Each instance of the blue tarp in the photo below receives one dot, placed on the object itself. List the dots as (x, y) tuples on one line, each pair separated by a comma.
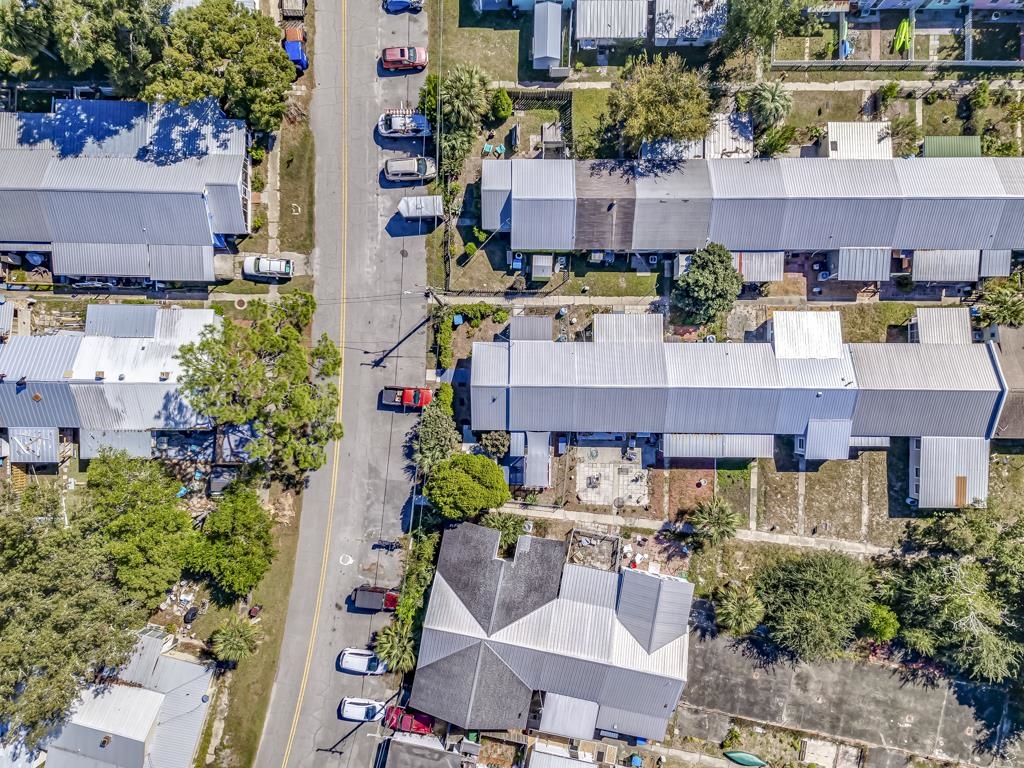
[(297, 53)]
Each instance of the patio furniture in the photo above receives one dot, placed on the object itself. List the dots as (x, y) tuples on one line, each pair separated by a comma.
[(500, 149), (488, 149)]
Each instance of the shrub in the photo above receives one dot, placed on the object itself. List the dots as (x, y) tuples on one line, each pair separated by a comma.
[(479, 234), (259, 221), (980, 97), (258, 153), (732, 738), (501, 105), (259, 183), (500, 316), (932, 96), (470, 249), (882, 624), (578, 67), (495, 444), (444, 398), (886, 94)]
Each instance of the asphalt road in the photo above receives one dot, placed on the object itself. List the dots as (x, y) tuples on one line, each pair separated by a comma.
[(370, 274)]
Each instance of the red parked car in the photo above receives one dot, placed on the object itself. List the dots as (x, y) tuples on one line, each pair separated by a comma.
[(413, 57), (398, 719)]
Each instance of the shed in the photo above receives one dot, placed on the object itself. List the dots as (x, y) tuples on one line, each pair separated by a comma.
[(538, 460), (542, 266), (945, 266), (547, 35), (858, 140), (530, 328), (33, 445), (568, 716), (421, 207), (600, 21), (941, 325), (952, 146), (759, 266), (949, 472), (496, 195), (861, 265), (827, 439)]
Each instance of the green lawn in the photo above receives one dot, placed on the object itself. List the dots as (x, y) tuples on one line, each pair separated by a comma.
[(615, 280), (870, 322), (940, 119), (297, 181), (815, 48), (997, 42), (299, 283), (819, 107), (589, 119), (241, 286), (497, 43)]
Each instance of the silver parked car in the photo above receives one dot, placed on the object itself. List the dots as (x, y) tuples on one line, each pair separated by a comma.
[(263, 268), (410, 169)]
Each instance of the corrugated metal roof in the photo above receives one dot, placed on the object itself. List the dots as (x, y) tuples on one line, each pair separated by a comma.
[(673, 209), (88, 259), (227, 210), (33, 445), (759, 266), (125, 713), (869, 442), (859, 140), (629, 327), (952, 146), (996, 263), (121, 320), (655, 609), (182, 263), (827, 439), (954, 472), (538, 460), (566, 716), (118, 406), (688, 21), (611, 19), (92, 442), (713, 446), (863, 264), (531, 328), (731, 135), (39, 358), (6, 317), (40, 404), (496, 195), (547, 34), (517, 445), (807, 335), (943, 325), (543, 204), (945, 266)]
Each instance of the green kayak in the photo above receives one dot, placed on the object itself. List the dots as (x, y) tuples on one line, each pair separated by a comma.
[(745, 758)]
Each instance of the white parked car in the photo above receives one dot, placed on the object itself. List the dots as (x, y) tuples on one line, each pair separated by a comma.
[(262, 268), (410, 169), (361, 662), (360, 710)]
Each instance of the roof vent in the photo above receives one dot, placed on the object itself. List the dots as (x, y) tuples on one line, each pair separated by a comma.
[(165, 375), (36, 396), (22, 381), (120, 377), (100, 375), (105, 742), (68, 373), (3, 376)]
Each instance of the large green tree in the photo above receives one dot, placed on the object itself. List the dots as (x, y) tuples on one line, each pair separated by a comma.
[(262, 373), (236, 547), (236, 639), (753, 25), (434, 438), (464, 97), (61, 617), (220, 49), (769, 103), (1003, 301), (710, 285), (146, 528), (466, 485), (660, 99), (814, 602), (24, 31), (396, 647)]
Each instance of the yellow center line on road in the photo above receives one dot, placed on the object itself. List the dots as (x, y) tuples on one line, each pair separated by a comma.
[(336, 455)]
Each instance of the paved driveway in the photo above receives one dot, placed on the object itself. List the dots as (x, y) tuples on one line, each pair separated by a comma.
[(867, 703), (369, 286)]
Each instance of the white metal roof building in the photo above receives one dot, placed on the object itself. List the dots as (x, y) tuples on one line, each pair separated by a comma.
[(688, 22), (787, 204), (124, 188), (858, 140), (607, 20), (547, 35), (941, 325), (949, 472), (543, 204), (861, 265), (759, 266)]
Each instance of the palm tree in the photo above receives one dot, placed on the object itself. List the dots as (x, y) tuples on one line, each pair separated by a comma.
[(714, 521), (1004, 302), (396, 648), (739, 610), (464, 97), (770, 103), (236, 639)]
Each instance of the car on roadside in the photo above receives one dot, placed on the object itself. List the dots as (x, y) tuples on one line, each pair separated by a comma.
[(400, 719), (403, 124), (408, 57), (265, 268), (360, 661), (360, 710), (408, 169), (398, 6)]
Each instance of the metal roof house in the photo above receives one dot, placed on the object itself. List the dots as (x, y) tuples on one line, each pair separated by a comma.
[(728, 400), (602, 22), (688, 22), (857, 140), (111, 386), (151, 713), (500, 635), (547, 35), (124, 189), (959, 205)]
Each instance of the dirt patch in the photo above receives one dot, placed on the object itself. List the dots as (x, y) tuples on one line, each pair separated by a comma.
[(832, 502), (777, 510), (497, 754), (884, 529), (690, 484), (464, 336), (733, 484)]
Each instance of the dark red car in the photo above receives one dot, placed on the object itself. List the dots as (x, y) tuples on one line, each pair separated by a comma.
[(399, 719), (412, 57)]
